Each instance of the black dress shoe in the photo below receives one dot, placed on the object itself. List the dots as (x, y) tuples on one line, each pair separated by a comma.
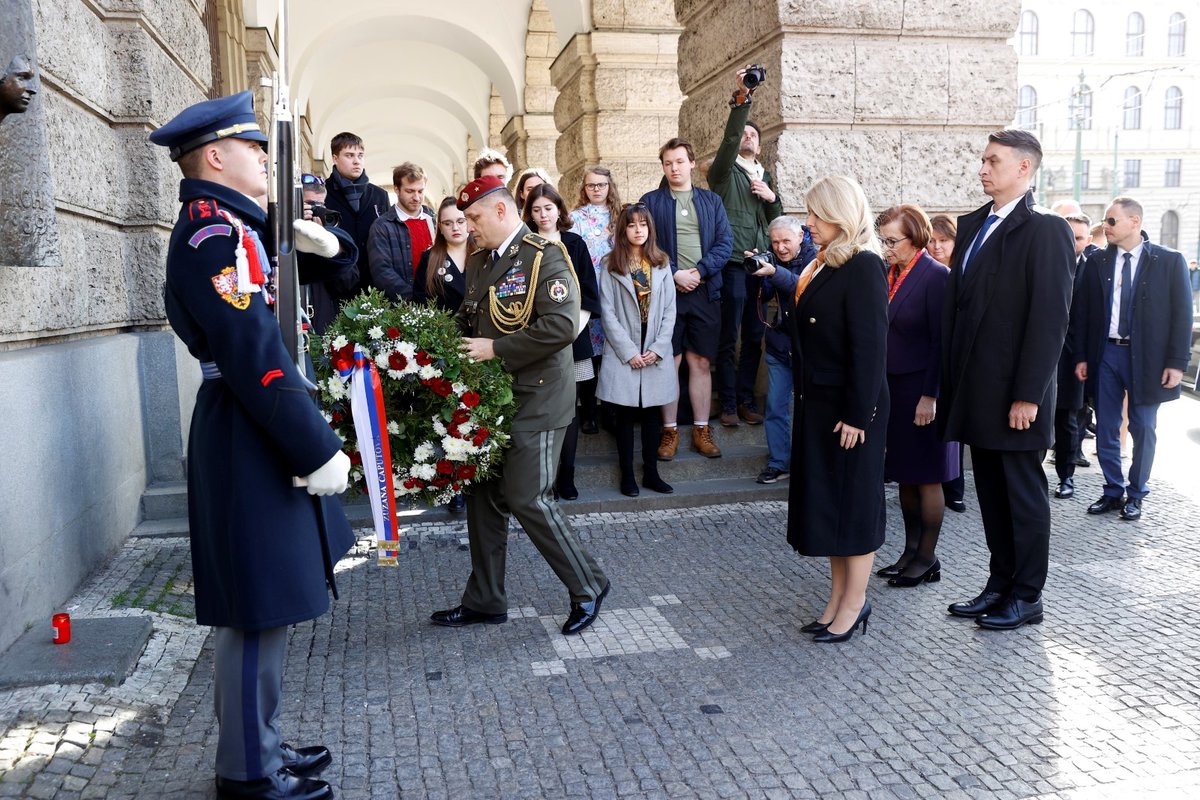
[(816, 626), (828, 637), (985, 602), (931, 575), (1081, 461), (1012, 614), (304, 761), (657, 484), (1065, 489), (629, 486), (892, 570), (1132, 509), (584, 614), (956, 505), (589, 427), (457, 504), (566, 489), (283, 785), (1105, 504), (460, 616)]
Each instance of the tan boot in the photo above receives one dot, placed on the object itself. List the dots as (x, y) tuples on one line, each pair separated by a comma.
[(702, 442), (668, 444)]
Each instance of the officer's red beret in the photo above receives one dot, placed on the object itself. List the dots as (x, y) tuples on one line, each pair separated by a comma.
[(477, 189)]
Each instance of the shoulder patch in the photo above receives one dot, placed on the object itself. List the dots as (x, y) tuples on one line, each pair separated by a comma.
[(558, 290), (536, 240), (225, 282), (204, 207), (209, 231)]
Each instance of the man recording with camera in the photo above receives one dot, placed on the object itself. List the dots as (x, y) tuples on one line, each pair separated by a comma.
[(778, 270), (751, 202), (329, 281)]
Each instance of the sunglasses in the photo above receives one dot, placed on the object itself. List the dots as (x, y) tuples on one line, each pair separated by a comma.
[(1110, 222), (312, 180), (639, 206)]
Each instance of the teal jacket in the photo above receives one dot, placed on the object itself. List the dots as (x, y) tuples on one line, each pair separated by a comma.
[(748, 216)]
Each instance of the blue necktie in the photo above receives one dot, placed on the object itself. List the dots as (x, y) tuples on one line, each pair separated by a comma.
[(495, 257), (989, 222), (1125, 314)]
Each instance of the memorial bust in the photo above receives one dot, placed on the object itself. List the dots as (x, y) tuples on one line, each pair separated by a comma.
[(17, 86)]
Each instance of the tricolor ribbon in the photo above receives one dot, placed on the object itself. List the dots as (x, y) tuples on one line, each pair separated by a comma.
[(370, 425)]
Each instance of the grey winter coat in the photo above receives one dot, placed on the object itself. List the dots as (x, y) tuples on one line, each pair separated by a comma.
[(621, 318)]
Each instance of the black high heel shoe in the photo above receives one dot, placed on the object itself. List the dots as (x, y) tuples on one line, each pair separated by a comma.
[(836, 638), (893, 570), (931, 575), (816, 626)]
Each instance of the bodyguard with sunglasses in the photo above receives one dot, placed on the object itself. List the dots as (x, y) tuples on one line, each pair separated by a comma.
[(328, 282)]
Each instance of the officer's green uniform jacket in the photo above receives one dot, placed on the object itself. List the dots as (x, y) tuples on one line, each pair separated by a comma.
[(748, 216), (539, 354)]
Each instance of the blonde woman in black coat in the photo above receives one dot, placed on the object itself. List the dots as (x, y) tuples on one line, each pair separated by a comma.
[(839, 339)]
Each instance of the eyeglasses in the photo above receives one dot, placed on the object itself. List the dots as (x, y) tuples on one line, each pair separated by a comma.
[(453, 223), (593, 187), (312, 180), (1110, 222), (891, 243)]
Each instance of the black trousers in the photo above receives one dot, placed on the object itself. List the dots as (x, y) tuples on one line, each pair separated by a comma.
[(1066, 442), (651, 422), (1015, 506)]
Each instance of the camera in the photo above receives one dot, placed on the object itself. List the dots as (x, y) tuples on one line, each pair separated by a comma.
[(327, 215), (754, 76), (757, 261)]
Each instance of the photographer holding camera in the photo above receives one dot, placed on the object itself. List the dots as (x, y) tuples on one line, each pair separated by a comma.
[(778, 269), (751, 202), (331, 280)]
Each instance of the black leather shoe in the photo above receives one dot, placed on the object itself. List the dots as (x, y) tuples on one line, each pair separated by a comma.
[(892, 570), (931, 575), (816, 626), (283, 785), (956, 505), (1132, 509), (1081, 461), (589, 427), (1105, 504), (304, 761), (657, 484), (460, 616), (1065, 489), (457, 504), (987, 601), (584, 614), (629, 486), (1014, 613), (566, 489)]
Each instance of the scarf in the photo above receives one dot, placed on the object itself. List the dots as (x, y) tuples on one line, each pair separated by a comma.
[(809, 273), (352, 189), (899, 273), (641, 285)]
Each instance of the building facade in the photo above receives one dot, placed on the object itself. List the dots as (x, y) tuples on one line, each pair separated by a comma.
[(1110, 88)]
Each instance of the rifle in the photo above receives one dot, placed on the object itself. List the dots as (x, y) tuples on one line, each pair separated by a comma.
[(284, 204)]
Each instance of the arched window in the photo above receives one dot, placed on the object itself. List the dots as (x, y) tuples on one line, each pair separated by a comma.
[(1135, 35), (1133, 109), (1027, 34), (1173, 117), (1026, 107), (1083, 33), (1176, 35), (1169, 235), (1081, 109)]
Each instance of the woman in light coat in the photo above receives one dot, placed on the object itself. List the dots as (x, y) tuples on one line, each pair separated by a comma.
[(637, 371)]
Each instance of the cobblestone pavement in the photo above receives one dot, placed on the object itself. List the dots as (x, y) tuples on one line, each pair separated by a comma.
[(695, 682)]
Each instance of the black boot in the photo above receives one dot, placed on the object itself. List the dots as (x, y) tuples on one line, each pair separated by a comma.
[(587, 407), (653, 481)]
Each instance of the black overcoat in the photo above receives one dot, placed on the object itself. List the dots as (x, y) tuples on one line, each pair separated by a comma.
[(1162, 319), (1003, 327), (1070, 388), (839, 341), (262, 550)]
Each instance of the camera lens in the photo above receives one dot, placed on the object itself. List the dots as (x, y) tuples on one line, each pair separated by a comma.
[(754, 76)]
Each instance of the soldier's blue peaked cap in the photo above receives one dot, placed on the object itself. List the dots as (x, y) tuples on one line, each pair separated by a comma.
[(222, 118)]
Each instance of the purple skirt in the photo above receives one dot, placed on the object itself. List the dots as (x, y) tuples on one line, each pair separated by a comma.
[(915, 454)]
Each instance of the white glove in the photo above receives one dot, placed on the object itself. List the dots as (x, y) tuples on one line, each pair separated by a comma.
[(313, 238), (332, 477)]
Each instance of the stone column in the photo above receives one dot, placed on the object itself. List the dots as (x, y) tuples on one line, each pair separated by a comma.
[(618, 94), (529, 138), (900, 95)]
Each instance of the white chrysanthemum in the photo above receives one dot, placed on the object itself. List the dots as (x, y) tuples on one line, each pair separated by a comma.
[(381, 360), (395, 374), (428, 371), (408, 349), (423, 452), (375, 332), (340, 342), (459, 388), (425, 472), (439, 428), (335, 389), (393, 427)]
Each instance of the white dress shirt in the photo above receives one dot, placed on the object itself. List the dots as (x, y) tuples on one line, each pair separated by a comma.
[(1114, 319)]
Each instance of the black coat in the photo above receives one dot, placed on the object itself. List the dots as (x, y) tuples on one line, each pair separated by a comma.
[(262, 550), (1003, 327), (1162, 319), (1070, 388), (589, 291), (372, 205), (453, 290), (839, 341)]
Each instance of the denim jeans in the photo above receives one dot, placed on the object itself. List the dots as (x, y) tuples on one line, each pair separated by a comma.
[(778, 414)]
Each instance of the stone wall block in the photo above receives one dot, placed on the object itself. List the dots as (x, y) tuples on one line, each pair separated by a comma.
[(848, 15), (896, 82), (940, 170), (997, 17), (983, 85), (180, 26), (632, 14), (75, 46), (730, 34), (95, 182), (871, 156)]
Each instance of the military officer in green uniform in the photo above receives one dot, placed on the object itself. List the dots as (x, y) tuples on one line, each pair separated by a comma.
[(522, 307)]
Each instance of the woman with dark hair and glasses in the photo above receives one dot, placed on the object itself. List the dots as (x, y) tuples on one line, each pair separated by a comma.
[(546, 214), (917, 458), (637, 372), (440, 276), (599, 205)]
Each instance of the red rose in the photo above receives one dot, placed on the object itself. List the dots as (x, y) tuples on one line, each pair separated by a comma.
[(423, 358), (453, 432), (393, 333), (465, 472), (444, 467), (356, 457), (470, 399), (460, 416), (409, 483), (441, 387), (397, 361), (338, 417), (440, 483)]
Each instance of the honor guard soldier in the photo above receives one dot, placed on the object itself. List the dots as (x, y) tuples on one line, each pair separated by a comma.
[(522, 307), (262, 549)]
